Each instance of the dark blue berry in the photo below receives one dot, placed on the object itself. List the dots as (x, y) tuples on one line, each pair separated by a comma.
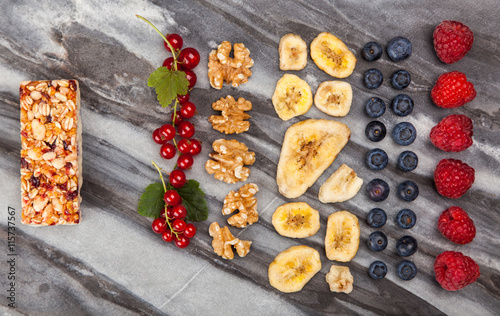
[(406, 246), (377, 241), (375, 107), (407, 270), (377, 159), (376, 217), (373, 78), (378, 190), (406, 218), (407, 161), (377, 270), (408, 190), (404, 133), (402, 105), (400, 79), (371, 51), (375, 131), (399, 48)]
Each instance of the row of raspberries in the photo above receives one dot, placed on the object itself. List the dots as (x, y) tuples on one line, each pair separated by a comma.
[(452, 177)]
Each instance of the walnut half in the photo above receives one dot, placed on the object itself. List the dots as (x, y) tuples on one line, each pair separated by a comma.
[(234, 70), (243, 201), (228, 160), (233, 115), (224, 240)]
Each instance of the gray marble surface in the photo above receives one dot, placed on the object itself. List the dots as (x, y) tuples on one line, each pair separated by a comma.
[(113, 264)]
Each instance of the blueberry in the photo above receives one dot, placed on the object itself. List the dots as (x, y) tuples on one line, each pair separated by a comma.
[(375, 107), (399, 48), (407, 270), (400, 79), (406, 246), (406, 218), (402, 105), (376, 217), (371, 51), (373, 78), (377, 241), (377, 159), (377, 270), (378, 190), (407, 161), (408, 190), (404, 133), (375, 131)]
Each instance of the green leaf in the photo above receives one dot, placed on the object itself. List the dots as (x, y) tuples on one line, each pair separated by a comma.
[(151, 203), (168, 84), (193, 199)]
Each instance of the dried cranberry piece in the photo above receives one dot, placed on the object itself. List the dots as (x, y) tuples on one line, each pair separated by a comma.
[(65, 145), (34, 182), (71, 195), (49, 118), (24, 163), (72, 85)]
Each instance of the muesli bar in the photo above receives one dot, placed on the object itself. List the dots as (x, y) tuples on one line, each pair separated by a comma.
[(51, 162)]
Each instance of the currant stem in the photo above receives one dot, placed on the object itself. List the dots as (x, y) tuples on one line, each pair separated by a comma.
[(164, 38), (161, 176)]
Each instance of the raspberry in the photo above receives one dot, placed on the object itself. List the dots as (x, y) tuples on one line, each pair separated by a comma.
[(452, 90), (455, 271), (453, 178), (452, 40), (453, 133), (456, 225)]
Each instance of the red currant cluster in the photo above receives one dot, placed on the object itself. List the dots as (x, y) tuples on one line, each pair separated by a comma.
[(182, 60)]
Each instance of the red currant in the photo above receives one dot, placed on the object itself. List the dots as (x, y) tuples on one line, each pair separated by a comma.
[(172, 198), (184, 145), (188, 110), (189, 57), (195, 147), (190, 231), (167, 131), (178, 118), (179, 211), (177, 178), (181, 241), (179, 225), (175, 40), (162, 213), (159, 225), (169, 63), (169, 212), (167, 236), (185, 161), (167, 151), (183, 98), (157, 137), (186, 129), (191, 77)]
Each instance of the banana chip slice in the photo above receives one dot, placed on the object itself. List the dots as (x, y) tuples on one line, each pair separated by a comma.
[(341, 186), (342, 236), (334, 98), (308, 149), (296, 220), (332, 56), (340, 279), (293, 268), (293, 52), (292, 97)]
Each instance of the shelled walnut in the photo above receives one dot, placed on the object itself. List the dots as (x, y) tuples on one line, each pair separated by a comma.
[(228, 160), (243, 201), (234, 71), (233, 115), (223, 240)]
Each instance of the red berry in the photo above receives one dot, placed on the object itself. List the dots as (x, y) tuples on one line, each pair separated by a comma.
[(189, 57), (169, 62), (183, 98), (185, 161), (191, 77), (159, 225), (188, 110), (179, 225), (167, 131), (456, 225), (455, 271), (172, 198), (195, 147), (179, 211), (178, 118), (452, 90), (181, 241), (175, 41), (169, 212), (453, 133), (177, 178), (190, 231), (184, 145), (167, 236), (157, 137), (162, 214), (167, 151), (453, 178), (452, 40), (186, 129)]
